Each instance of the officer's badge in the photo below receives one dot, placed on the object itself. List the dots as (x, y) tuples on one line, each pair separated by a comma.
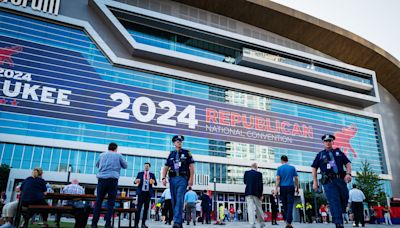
[(337, 153), (189, 153)]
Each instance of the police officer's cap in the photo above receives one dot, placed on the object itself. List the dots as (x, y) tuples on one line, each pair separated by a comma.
[(178, 137), (328, 137)]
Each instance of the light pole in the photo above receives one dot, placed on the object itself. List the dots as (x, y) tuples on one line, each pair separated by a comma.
[(215, 198), (69, 172)]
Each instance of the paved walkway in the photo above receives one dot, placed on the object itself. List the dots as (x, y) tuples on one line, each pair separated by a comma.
[(152, 224)]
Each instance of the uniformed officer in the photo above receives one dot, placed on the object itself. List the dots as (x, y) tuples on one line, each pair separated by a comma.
[(180, 168), (333, 177)]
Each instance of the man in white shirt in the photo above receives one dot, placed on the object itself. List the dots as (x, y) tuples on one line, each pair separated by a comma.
[(356, 198)]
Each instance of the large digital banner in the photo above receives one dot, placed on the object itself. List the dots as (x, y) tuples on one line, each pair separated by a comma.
[(53, 82)]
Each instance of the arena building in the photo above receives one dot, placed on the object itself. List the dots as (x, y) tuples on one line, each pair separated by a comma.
[(244, 81)]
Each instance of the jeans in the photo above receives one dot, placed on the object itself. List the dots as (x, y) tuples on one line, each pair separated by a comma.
[(143, 200), (254, 205), (105, 186), (287, 198), (337, 194), (178, 187)]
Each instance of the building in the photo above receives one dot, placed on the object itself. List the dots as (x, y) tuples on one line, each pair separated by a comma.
[(242, 87)]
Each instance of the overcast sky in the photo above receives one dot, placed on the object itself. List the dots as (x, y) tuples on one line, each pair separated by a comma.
[(378, 21)]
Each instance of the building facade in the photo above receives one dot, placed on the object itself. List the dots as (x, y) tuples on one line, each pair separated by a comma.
[(77, 75)]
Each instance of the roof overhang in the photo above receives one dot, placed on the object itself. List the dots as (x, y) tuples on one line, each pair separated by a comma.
[(312, 32)]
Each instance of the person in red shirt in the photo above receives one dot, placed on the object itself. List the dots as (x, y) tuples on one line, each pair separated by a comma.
[(232, 213), (322, 210)]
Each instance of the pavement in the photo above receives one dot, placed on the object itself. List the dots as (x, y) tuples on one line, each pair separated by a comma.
[(153, 224)]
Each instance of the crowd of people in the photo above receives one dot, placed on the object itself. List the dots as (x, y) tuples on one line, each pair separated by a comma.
[(179, 203)]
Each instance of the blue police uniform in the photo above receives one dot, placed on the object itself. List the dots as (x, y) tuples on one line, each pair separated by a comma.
[(331, 163), (179, 173)]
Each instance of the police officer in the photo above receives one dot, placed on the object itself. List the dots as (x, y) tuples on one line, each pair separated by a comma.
[(180, 168), (333, 177)]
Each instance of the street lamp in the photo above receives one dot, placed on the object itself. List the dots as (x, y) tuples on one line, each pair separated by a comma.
[(215, 198), (69, 172)]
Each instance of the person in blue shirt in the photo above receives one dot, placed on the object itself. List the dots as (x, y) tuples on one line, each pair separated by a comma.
[(286, 187), (331, 162), (109, 164), (180, 168), (145, 181), (190, 205)]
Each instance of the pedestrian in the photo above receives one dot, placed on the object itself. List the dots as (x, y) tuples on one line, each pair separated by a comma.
[(33, 189), (273, 199), (322, 211), (309, 212), (80, 209), (299, 207), (346, 215), (167, 206), (144, 192), (287, 187), (372, 215), (254, 194), (232, 213), (226, 214), (333, 177), (239, 214), (180, 169), (205, 207), (109, 164), (386, 215), (221, 211), (356, 198), (198, 209), (190, 205)]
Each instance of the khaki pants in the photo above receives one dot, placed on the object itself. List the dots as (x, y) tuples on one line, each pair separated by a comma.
[(254, 207)]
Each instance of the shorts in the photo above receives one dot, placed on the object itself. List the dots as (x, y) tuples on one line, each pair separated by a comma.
[(323, 214)]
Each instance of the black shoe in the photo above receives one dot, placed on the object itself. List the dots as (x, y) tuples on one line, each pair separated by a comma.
[(194, 223), (177, 226), (144, 226), (187, 223)]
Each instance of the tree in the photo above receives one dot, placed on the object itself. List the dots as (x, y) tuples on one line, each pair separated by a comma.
[(4, 173), (369, 183)]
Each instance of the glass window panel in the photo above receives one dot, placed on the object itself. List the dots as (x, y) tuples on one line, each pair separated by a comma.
[(17, 157), (47, 155), (37, 156)]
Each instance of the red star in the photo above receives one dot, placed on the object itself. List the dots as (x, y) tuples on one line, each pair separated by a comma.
[(2, 101), (14, 102)]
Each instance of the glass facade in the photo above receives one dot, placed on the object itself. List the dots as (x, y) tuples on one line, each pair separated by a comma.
[(192, 46), (366, 142)]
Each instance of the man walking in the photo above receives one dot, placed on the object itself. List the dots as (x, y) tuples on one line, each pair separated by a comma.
[(273, 198), (205, 207), (109, 164), (333, 177), (284, 182), (254, 194), (145, 181), (190, 205), (180, 168), (356, 198)]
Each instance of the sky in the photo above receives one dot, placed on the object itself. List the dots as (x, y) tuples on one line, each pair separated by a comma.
[(377, 21)]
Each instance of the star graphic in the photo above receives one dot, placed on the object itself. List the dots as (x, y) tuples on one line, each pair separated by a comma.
[(2, 101), (14, 102)]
